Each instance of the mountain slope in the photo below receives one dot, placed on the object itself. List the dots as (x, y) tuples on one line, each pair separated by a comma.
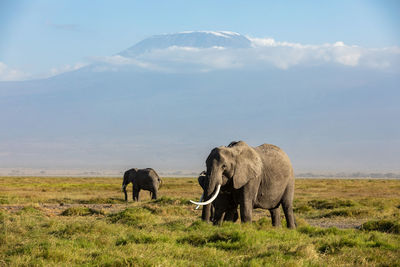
[(326, 117), (200, 39)]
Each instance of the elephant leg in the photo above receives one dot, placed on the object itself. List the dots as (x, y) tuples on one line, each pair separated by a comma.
[(287, 205), (235, 216), (218, 218), (219, 214), (246, 210), (207, 213), (126, 195), (135, 194), (246, 205), (154, 194), (231, 214), (275, 217)]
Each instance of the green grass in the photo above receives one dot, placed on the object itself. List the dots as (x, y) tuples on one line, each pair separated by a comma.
[(88, 230), (81, 211)]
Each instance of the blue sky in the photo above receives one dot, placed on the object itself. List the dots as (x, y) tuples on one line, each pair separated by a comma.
[(37, 36)]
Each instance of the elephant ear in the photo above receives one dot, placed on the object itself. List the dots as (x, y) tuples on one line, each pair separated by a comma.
[(248, 166)]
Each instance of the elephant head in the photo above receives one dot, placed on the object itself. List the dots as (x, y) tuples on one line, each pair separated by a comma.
[(237, 163), (128, 178)]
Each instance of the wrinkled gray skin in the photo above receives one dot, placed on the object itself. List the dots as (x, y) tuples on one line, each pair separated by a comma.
[(258, 177), (146, 179), (223, 208)]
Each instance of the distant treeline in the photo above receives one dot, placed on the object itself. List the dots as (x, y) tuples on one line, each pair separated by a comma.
[(350, 175)]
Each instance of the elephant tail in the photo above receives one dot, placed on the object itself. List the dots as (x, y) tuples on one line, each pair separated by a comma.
[(160, 183)]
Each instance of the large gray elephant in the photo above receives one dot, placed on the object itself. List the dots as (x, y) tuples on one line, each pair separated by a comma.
[(146, 179), (257, 177), (223, 208)]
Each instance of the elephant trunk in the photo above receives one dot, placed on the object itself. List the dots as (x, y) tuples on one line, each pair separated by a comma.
[(214, 184), (214, 180)]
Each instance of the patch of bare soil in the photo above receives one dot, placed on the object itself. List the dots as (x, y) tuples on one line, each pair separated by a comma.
[(341, 223)]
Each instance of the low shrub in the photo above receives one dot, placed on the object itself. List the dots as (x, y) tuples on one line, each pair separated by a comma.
[(81, 211), (4, 200), (136, 216), (302, 208), (139, 238), (177, 225), (334, 246), (30, 210), (101, 201), (345, 213), (73, 228), (194, 239), (385, 226), (330, 204), (226, 239), (314, 231), (164, 200)]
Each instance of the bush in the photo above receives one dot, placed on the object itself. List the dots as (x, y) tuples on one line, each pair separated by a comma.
[(171, 201), (345, 213), (303, 208), (81, 211), (4, 200), (71, 229), (330, 204), (385, 226), (101, 201), (136, 216), (30, 210), (137, 239), (226, 240), (196, 240), (314, 231)]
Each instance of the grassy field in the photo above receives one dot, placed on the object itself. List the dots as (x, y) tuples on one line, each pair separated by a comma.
[(85, 222)]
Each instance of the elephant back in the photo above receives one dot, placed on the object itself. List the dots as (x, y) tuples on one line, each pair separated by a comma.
[(153, 175)]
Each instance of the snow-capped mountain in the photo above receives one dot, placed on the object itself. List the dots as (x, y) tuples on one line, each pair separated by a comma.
[(197, 39), (131, 110)]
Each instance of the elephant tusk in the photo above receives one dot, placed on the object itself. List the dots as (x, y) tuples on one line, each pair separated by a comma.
[(201, 199), (210, 200)]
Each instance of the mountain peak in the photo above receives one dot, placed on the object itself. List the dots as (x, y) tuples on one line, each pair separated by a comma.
[(197, 39)]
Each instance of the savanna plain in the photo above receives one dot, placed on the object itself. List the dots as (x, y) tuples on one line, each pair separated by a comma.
[(48, 221)]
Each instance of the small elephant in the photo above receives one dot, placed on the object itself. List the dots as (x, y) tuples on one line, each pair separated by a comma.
[(223, 208), (146, 179), (258, 177)]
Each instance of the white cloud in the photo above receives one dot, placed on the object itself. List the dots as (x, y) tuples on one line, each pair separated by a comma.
[(296, 53), (65, 68), (263, 52), (9, 74), (118, 60)]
